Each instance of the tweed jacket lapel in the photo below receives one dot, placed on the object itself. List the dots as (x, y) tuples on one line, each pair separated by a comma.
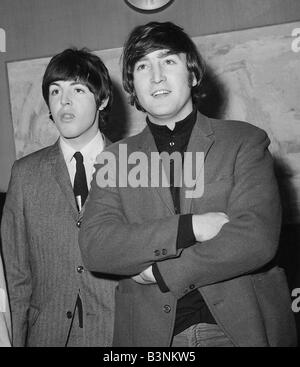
[(147, 145), (201, 140), (60, 172)]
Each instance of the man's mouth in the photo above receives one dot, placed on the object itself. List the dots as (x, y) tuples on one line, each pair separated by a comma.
[(161, 92), (67, 116)]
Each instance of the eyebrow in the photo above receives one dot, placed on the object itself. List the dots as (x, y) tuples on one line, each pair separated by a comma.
[(161, 55), (73, 83), (166, 53)]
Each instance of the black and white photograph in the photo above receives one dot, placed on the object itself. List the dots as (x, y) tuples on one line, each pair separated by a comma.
[(150, 176)]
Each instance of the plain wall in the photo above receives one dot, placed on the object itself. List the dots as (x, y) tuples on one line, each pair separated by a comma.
[(38, 28)]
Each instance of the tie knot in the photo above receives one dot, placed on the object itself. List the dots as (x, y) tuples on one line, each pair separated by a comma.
[(79, 157)]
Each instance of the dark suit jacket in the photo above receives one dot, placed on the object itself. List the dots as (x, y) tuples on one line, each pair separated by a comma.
[(135, 227), (40, 227)]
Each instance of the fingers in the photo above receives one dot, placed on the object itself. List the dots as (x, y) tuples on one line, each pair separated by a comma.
[(207, 226)]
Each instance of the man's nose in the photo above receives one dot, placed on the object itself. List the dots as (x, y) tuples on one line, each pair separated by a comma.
[(158, 74), (66, 98)]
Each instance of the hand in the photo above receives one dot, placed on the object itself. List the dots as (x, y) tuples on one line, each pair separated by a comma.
[(145, 277), (207, 226)]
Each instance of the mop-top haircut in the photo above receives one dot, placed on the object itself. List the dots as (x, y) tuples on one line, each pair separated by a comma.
[(83, 67), (155, 36)]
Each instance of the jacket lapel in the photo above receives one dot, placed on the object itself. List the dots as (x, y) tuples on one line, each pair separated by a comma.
[(60, 173), (201, 140), (147, 145)]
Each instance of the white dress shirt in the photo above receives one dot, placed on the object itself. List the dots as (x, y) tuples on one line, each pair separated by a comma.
[(5, 323), (89, 153)]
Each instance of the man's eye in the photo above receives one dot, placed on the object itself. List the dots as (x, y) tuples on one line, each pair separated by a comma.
[(169, 61), (54, 92), (79, 90), (141, 67)]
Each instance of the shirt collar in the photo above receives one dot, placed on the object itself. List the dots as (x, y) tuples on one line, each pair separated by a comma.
[(181, 127), (89, 151)]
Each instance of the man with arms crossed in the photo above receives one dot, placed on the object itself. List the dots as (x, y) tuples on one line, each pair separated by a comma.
[(196, 271)]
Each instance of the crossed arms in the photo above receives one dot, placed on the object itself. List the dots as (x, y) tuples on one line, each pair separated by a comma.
[(111, 243)]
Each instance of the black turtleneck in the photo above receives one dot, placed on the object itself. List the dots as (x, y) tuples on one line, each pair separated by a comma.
[(191, 309)]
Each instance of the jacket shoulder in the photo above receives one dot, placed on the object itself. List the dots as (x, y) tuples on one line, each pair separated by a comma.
[(130, 141), (33, 161), (234, 129)]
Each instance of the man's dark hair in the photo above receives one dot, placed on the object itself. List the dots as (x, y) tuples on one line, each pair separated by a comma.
[(155, 36), (85, 68)]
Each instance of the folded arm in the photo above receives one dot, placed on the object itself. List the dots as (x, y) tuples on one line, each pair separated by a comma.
[(110, 244), (249, 240), (203, 227)]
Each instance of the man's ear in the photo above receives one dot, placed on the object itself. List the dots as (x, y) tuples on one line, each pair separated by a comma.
[(103, 104), (194, 80)]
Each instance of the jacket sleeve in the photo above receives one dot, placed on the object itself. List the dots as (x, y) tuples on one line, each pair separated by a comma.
[(249, 240), (109, 244), (16, 256)]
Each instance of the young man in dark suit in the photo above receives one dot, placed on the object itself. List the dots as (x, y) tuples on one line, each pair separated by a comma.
[(55, 300), (196, 260)]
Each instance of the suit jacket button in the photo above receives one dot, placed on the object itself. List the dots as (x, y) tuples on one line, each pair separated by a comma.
[(156, 252), (167, 308), (80, 269), (164, 251), (69, 314), (192, 286), (78, 223)]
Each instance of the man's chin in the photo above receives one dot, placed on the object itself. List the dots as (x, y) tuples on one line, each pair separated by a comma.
[(70, 136)]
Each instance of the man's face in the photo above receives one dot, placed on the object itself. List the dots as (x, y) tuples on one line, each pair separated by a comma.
[(74, 111), (163, 87)]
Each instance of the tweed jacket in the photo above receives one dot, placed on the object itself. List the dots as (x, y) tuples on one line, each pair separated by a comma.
[(137, 227), (45, 271)]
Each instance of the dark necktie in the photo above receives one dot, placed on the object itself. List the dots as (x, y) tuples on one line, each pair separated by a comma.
[(80, 184)]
